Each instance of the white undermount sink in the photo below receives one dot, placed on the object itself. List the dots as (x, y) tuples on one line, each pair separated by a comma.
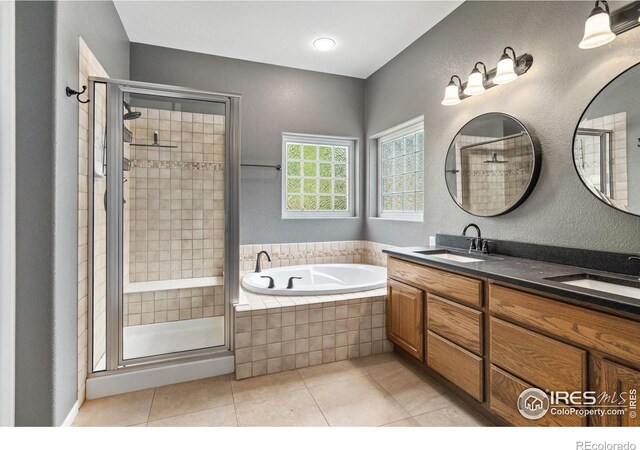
[(615, 286), (450, 256)]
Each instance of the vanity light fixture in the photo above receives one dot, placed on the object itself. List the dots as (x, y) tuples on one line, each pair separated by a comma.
[(324, 44), (475, 84), (506, 73), (452, 92), (602, 26), (509, 68)]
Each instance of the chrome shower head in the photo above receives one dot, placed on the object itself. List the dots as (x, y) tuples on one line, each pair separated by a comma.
[(130, 115)]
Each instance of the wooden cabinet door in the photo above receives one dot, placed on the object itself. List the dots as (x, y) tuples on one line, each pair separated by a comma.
[(618, 382), (405, 321)]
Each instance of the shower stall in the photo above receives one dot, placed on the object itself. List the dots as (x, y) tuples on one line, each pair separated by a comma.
[(163, 223)]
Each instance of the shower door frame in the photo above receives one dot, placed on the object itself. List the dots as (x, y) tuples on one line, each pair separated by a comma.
[(116, 89)]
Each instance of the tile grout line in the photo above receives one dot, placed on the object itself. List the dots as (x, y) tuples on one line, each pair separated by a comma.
[(151, 406), (314, 400), (233, 397)]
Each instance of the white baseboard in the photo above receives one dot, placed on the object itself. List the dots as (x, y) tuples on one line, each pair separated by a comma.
[(120, 383), (71, 416)]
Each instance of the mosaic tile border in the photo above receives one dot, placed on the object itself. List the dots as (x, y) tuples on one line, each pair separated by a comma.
[(157, 164)]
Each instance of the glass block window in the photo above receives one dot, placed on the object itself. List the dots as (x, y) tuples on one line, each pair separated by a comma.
[(401, 173), (318, 177)]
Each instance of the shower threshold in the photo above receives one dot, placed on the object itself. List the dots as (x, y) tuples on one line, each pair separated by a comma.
[(169, 337)]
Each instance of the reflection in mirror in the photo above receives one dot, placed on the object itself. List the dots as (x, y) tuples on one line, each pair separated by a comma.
[(606, 145), (491, 165)]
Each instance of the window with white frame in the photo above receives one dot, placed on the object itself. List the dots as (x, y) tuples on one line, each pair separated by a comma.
[(318, 176), (401, 171)]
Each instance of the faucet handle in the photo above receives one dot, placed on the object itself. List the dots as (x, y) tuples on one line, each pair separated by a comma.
[(271, 283), (472, 243), (290, 283), (485, 246)]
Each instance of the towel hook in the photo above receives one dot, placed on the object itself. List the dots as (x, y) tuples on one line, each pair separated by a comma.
[(72, 92)]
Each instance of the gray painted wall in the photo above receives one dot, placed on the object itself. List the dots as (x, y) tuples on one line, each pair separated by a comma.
[(274, 100), (549, 100), (47, 186)]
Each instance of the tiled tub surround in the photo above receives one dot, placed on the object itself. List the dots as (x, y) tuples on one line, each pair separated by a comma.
[(271, 337), (338, 252), (485, 187)]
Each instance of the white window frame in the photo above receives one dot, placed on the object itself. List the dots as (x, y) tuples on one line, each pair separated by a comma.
[(411, 126), (352, 145)]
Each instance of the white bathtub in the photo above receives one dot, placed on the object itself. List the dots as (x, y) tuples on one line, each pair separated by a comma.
[(318, 279)]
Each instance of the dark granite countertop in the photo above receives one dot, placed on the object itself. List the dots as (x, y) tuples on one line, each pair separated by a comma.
[(527, 273)]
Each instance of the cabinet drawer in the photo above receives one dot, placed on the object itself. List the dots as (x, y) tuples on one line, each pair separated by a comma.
[(541, 361), (455, 363), (609, 334), (504, 390), (458, 287), (458, 323)]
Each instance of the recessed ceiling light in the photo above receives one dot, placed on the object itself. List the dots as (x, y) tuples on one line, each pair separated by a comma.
[(324, 44)]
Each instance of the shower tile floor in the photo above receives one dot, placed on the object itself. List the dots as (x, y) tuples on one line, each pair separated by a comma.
[(380, 390)]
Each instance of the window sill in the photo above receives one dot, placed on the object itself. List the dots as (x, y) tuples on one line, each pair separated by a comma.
[(397, 219), (320, 217)]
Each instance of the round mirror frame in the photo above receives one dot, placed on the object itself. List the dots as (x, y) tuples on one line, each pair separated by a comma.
[(573, 141), (533, 179)]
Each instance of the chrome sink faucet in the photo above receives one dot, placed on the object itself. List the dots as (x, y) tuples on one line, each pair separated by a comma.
[(259, 260)]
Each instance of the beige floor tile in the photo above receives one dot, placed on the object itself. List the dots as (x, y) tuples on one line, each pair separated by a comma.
[(416, 393), (368, 363), (222, 416), (294, 408), (118, 410), (277, 383), (183, 398), (452, 416), (330, 373), (358, 401)]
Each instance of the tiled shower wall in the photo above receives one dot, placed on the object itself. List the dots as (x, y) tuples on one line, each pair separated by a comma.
[(177, 196), (338, 252), (88, 66), (176, 214), (482, 187), (170, 305), (587, 155)]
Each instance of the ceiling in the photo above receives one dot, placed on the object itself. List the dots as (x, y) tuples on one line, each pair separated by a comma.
[(367, 33)]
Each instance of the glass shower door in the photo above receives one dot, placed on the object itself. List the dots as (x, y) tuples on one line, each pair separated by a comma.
[(160, 226), (173, 222)]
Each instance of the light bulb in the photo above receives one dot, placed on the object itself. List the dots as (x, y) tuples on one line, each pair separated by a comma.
[(597, 29), (451, 95), (475, 84), (505, 73)]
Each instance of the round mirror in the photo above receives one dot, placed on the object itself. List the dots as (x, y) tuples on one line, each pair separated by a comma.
[(606, 144), (492, 165)]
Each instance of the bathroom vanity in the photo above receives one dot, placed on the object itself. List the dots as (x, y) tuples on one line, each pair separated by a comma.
[(490, 327)]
